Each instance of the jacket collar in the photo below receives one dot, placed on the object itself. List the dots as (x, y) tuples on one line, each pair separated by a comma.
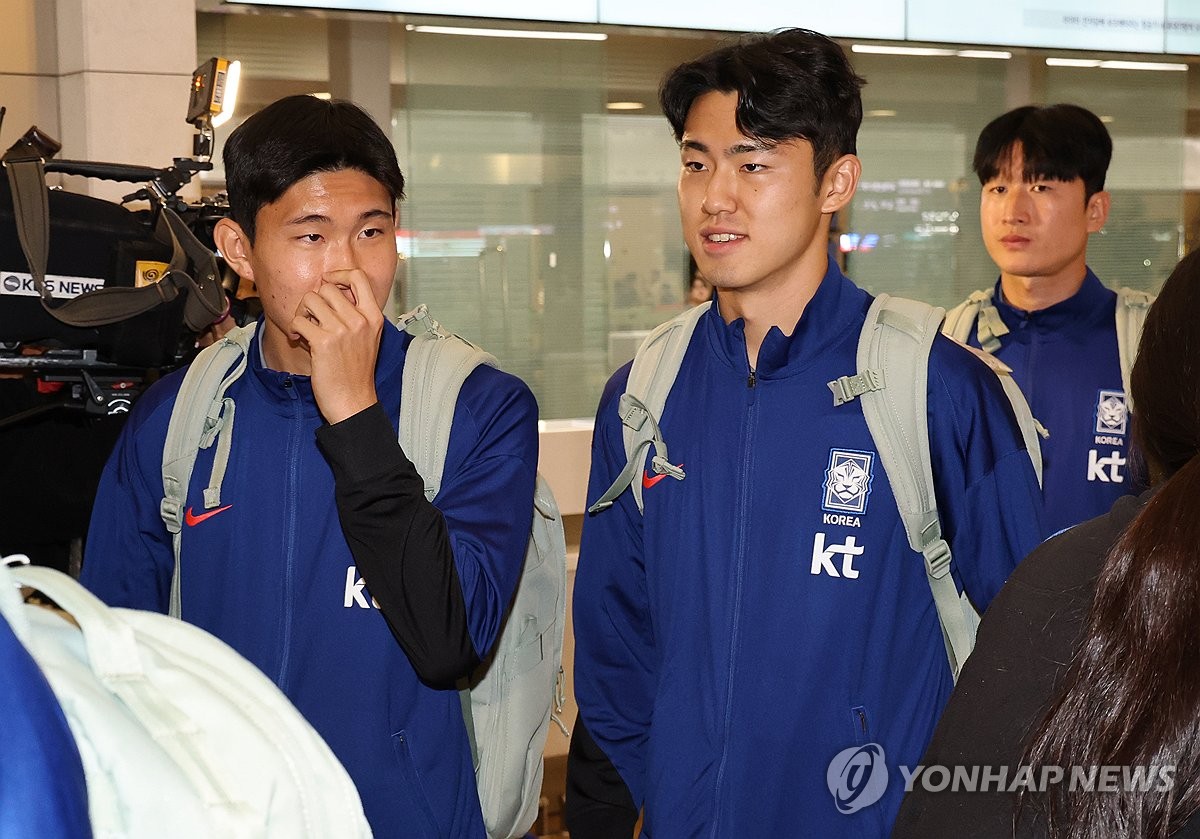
[(283, 390), (836, 307), (1082, 309)]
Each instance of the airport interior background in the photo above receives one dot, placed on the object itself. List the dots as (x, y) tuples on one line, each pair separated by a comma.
[(541, 219)]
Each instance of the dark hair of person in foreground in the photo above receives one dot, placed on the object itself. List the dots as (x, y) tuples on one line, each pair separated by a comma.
[(1132, 694)]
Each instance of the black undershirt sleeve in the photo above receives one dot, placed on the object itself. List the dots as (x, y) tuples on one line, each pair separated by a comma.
[(400, 544), (599, 805)]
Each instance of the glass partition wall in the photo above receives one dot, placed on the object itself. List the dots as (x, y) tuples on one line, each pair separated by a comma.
[(541, 217)]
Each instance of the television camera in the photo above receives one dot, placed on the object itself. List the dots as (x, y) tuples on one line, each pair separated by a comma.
[(97, 299)]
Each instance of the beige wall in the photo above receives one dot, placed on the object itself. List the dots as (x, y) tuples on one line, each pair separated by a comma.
[(109, 79)]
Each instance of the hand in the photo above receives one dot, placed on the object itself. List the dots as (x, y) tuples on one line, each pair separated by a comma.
[(340, 324)]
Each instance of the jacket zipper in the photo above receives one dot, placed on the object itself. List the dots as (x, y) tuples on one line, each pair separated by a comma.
[(740, 567), (291, 494)]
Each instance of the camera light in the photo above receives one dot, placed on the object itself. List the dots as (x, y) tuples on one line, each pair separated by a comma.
[(214, 92)]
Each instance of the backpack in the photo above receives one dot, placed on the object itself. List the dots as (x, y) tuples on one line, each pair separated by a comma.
[(178, 734), (978, 311), (41, 775), (893, 346), (509, 701)]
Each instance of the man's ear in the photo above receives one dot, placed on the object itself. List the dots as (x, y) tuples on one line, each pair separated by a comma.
[(233, 243), (1097, 211), (839, 183)]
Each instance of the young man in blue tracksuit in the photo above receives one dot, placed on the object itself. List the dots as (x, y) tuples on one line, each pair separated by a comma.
[(766, 614), (1042, 171), (325, 565)]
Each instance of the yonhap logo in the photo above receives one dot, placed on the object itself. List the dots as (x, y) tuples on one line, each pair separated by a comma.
[(857, 777)]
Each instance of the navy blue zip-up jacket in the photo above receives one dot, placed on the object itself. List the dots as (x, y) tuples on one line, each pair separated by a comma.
[(766, 613), (309, 511), (1065, 360)]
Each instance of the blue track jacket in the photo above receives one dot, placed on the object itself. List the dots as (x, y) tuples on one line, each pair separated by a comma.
[(273, 576), (1065, 360), (766, 613), (42, 787)]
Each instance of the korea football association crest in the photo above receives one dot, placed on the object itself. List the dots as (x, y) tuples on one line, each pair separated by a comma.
[(1112, 414), (848, 481)]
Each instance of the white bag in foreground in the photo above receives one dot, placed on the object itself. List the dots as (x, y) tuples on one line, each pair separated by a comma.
[(180, 736)]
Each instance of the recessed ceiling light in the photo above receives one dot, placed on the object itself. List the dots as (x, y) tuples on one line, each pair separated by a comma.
[(879, 49), (880, 112), (625, 106), (1142, 65), (1072, 62), (1114, 64), (509, 33), (1004, 54)]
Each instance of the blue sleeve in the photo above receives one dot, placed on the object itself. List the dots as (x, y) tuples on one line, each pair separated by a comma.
[(43, 791), (442, 573), (988, 497), (129, 558), (486, 495), (616, 664)]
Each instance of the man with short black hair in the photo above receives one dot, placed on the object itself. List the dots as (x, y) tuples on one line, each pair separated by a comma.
[(764, 617), (325, 565), (1049, 317)]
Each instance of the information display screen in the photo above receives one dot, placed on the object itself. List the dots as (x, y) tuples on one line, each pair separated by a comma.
[(565, 11), (883, 19), (1146, 26), (1117, 25)]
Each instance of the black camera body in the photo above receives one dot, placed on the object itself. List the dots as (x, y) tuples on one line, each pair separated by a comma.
[(97, 248), (94, 244)]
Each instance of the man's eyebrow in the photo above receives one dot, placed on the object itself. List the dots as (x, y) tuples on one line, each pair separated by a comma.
[(318, 218), (745, 147), (311, 218), (378, 212), (748, 147)]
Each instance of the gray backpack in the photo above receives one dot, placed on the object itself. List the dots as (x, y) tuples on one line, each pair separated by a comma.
[(509, 701), (893, 366), (979, 312)]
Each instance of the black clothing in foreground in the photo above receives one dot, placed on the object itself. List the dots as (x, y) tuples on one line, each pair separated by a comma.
[(400, 544), (1023, 651), (50, 465), (599, 805)]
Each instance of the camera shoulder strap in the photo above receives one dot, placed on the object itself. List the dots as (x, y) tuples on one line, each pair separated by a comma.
[(27, 180)]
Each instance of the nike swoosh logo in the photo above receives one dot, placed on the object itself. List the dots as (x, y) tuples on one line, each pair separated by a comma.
[(649, 480), (192, 520)]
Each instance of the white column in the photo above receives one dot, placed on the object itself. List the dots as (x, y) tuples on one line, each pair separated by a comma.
[(28, 69), (124, 70), (1024, 80), (360, 60)]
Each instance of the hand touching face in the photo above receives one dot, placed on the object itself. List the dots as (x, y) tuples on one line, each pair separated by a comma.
[(323, 260)]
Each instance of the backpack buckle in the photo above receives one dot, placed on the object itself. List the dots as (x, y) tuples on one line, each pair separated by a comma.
[(170, 510), (848, 388), (937, 559), (662, 466), (632, 412), (419, 322)]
